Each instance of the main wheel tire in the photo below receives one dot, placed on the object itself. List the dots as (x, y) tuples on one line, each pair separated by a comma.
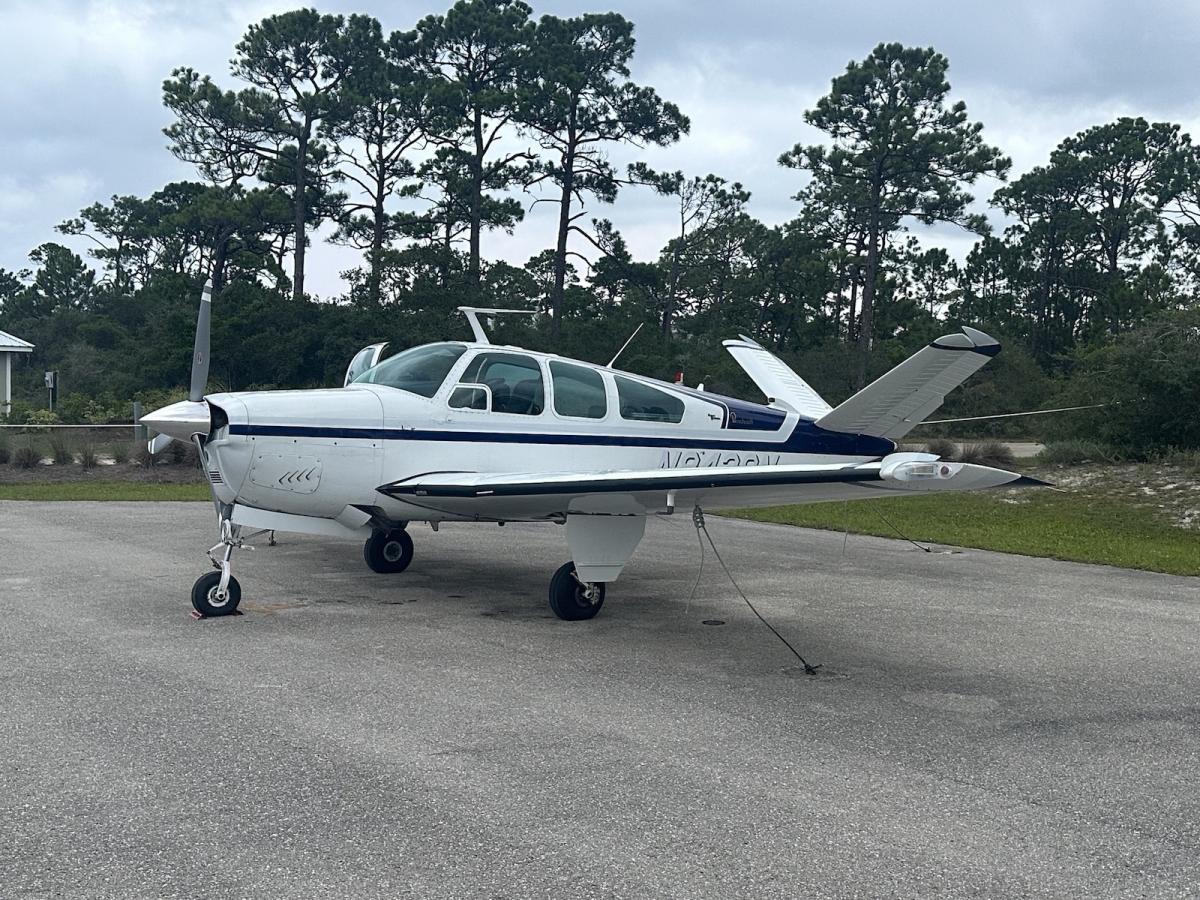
[(388, 551), (571, 600), (204, 595)]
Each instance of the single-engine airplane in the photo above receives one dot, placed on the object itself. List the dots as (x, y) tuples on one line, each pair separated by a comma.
[(467, 431)]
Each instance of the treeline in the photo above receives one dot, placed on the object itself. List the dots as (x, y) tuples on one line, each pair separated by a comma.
[(412, 146)]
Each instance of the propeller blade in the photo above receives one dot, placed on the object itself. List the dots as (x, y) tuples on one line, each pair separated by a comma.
[(200, 351), (158, 443)]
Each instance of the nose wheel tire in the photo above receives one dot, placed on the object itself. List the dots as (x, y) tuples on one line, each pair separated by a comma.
[(388, 551), (208, 600), (572, 599)]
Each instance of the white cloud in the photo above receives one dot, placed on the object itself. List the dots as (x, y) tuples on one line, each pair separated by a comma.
[(80, 87)]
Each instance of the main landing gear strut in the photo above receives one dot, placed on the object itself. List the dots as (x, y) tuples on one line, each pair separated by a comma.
[(218, 593)]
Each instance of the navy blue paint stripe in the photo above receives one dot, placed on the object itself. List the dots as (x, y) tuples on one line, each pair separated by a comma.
[(501, 437)]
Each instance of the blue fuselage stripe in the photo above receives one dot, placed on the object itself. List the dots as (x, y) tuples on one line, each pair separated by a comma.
[(798, 442)]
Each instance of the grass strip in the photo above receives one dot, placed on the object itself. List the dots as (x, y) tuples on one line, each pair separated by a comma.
[(104, 490), (1075, 526)]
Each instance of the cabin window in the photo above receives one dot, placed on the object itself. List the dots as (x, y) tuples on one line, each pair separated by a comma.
[(578, 391), (515, 382), (642, 403), (468, 396), (420, 370)]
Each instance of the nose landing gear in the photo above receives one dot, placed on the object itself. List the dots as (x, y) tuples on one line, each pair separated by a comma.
[(218, 593)]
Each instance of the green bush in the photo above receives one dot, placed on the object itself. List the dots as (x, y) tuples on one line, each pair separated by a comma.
[(5, 451), (1078, 452), (143, 457), (987, 453), (1184, 459), (943, 448), (87, 455), (120, 454), (1150, 379), (60, 449), (26, 456), (43, 417)]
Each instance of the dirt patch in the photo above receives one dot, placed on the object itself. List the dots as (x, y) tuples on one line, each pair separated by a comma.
[(1171, 492)]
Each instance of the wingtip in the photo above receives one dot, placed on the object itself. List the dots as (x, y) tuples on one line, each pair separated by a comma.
[(984, 343), (1029, 481)]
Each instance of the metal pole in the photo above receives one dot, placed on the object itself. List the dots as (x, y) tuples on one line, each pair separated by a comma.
[(139, 430)]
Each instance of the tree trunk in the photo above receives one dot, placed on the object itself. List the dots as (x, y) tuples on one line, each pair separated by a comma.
[(866, 316), (374, 287), (301, 208), (220, 257), (673, 281), (476, 206), (560, 248)]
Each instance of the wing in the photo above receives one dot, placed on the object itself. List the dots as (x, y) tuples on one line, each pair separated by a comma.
[(554, 495)]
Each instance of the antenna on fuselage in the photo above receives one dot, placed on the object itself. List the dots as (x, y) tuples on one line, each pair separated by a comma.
[(473, 312), (626, 344)]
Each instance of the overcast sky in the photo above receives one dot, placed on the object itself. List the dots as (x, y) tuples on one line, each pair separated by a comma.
[(80, 91)]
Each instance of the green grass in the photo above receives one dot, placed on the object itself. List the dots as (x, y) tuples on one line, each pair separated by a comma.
[(1074, 527), (104, 490)]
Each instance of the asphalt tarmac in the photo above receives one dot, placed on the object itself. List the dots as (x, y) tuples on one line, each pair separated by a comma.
[(982, 725)]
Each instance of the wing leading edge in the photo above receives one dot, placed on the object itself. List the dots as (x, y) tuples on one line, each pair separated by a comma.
[(551, 495)]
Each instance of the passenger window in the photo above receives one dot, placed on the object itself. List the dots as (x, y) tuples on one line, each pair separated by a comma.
[(515, 382), (578, 391), (642, 403)]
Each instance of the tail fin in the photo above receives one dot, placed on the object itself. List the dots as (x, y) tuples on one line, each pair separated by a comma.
[(773, 377), (893, 405)]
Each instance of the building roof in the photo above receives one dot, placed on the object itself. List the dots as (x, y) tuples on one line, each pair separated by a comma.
[(10, 344)]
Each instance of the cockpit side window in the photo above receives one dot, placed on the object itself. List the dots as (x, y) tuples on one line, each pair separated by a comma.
[(420, 370), (578, 391), (642, 403), (514, 381)]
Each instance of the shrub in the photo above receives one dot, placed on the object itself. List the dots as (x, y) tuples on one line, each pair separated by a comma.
[(177, 451), (26, 456), (943, 448), (5, 451), (120, 454), (143, 457), (60, 449), (43, 417), (1150, 379), (1078, 452), (1184, 459), (191, 456), (987, 453), (87, 455)]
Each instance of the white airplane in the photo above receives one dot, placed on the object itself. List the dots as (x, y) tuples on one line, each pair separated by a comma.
[(467, 431)]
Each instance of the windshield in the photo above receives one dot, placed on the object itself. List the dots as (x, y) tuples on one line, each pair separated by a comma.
[(420, 370)]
